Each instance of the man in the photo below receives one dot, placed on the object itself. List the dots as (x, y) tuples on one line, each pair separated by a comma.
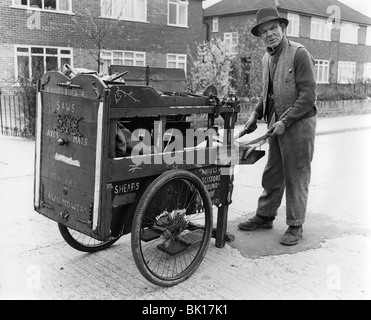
[(288, 105)]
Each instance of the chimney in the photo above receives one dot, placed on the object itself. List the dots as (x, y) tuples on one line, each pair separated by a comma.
[(276, 3)]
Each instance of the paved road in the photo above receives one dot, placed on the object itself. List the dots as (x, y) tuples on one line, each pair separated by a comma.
[(333, 261)]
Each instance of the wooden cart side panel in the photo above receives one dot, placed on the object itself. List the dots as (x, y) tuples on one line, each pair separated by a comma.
[(73, 155), (72, 208), (135, 167), (126, 96), (54, 104), (161, 79), (186, 159), (126, 194), (216, 182), (70, 180), (129, 191), (71, 177), (86, 140), (122, 112)]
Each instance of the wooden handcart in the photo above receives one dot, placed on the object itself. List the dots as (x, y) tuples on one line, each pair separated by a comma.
[(160, 183)]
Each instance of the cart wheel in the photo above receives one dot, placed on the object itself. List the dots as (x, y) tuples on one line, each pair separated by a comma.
[(172, 228), (82, 242)]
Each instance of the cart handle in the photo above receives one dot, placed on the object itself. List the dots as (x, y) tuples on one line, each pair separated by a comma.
[(115, 77)]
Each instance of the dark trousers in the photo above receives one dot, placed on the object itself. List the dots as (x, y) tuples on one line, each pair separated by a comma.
[(288, 169)]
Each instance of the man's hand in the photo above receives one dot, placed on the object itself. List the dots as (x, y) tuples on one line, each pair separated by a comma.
[(250, 125), (277, 129)]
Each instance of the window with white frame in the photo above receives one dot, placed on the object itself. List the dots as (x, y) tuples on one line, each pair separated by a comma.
[(367, 72), (126, 58), (177, 61), (178, 13), (215, 25), (322, 70), (349, 32), (368, 36), (320, 29), (346, 72), (231, 42), (133, 10), (293, 27), (54, 5), (32, 62)]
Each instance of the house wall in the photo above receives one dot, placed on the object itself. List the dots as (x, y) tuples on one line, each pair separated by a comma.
[(333, 50), (154, 37), (231, 23)]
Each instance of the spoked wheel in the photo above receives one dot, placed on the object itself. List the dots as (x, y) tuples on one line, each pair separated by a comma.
[(172, 228), (82, 242)]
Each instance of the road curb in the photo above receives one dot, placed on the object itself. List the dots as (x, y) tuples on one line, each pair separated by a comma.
[(342, 130)]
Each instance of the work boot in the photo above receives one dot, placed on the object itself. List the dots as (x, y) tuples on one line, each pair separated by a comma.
[(255, 223), (292, 236)]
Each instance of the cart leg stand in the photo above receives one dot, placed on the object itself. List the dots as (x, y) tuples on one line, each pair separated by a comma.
[(221, 235), (221, 226)]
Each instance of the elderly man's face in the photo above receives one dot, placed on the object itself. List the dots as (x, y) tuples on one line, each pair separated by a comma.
[(272, 33)]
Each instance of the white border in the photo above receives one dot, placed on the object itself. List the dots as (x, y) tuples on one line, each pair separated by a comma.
[(98, 166), (38, 151)]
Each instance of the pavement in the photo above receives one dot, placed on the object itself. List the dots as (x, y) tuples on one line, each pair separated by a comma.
[(331, 262)]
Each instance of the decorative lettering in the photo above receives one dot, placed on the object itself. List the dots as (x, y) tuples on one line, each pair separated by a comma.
[(65, 106), (81, 141), (66, 203), (53, 134), (67, 92), (209, 171), (120, 93), (212, 186), (65, 181), (211, 179), (68, 123), (126, 188)]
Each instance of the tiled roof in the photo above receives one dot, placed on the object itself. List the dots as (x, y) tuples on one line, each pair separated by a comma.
[(237, 6), (311, 7)]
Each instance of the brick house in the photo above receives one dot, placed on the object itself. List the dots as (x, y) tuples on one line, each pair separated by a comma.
[(41, 35), (342, 49)]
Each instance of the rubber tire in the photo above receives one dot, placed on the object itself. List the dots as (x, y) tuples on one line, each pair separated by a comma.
[(140, 212), (67, 236)]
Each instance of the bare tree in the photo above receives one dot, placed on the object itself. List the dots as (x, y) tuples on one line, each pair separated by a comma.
[(98, 30)]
